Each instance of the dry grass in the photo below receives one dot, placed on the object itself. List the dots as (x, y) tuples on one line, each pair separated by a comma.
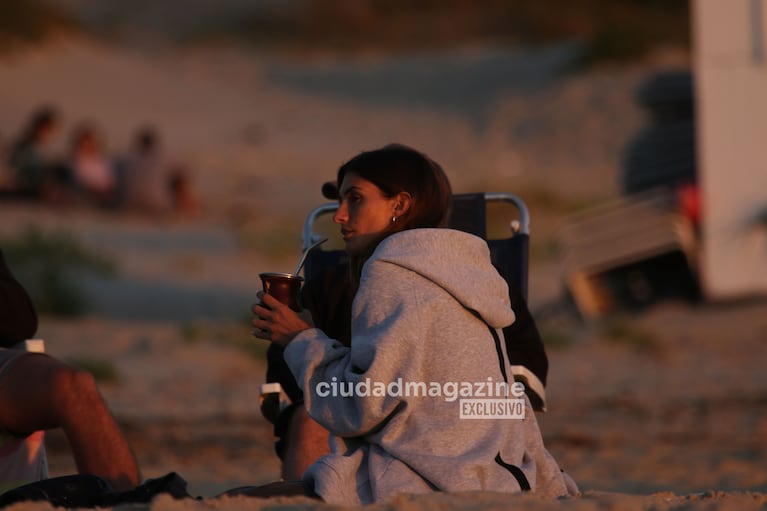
[(48, 264), (626, 331)]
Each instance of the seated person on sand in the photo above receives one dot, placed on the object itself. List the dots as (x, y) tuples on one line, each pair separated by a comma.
[(300, 440), (38, 392), (185, 199), (35, 172), (93, 171), (429, 308), (153, 186)]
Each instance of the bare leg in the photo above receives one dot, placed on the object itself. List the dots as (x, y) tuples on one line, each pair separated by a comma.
[(306, 442), (40, 392)]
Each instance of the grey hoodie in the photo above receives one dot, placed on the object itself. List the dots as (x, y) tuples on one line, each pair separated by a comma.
[(391, 400)]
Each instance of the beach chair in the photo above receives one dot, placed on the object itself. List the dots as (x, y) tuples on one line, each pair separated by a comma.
[(479, 214)]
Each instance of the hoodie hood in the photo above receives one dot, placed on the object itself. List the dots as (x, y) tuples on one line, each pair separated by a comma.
[(456, 261)]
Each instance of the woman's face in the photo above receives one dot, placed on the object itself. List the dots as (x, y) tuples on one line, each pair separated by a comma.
[(364, 213)]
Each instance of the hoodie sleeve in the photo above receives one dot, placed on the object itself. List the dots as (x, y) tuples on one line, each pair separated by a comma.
[(384, 350), (18, 319)]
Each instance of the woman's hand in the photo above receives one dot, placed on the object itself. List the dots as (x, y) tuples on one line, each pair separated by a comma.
[(276, 322)]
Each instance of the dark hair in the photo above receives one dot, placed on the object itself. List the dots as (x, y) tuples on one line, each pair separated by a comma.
[(83, 132), (45, 115), (40, 119), (146, 139), (398, 168)]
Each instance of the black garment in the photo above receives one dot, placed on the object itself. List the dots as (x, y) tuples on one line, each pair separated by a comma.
[(90, 491), (525, 346), (18, 318)]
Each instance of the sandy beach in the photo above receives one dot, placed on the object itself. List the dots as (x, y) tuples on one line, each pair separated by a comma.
[(663, 409)]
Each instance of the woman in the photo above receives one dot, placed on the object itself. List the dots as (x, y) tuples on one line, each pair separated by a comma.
[(93, 171), (30, 157), (427, 314)]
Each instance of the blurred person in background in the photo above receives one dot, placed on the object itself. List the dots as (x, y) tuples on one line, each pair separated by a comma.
[(36, 173), (94, 173), (152, 184), (186, 201), (147, 183)]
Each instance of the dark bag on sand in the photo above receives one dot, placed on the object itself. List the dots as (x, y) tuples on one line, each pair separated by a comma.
[(86, 490)]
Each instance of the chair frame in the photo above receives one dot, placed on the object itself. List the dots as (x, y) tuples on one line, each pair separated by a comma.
[(517, 226), (523, 227)]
